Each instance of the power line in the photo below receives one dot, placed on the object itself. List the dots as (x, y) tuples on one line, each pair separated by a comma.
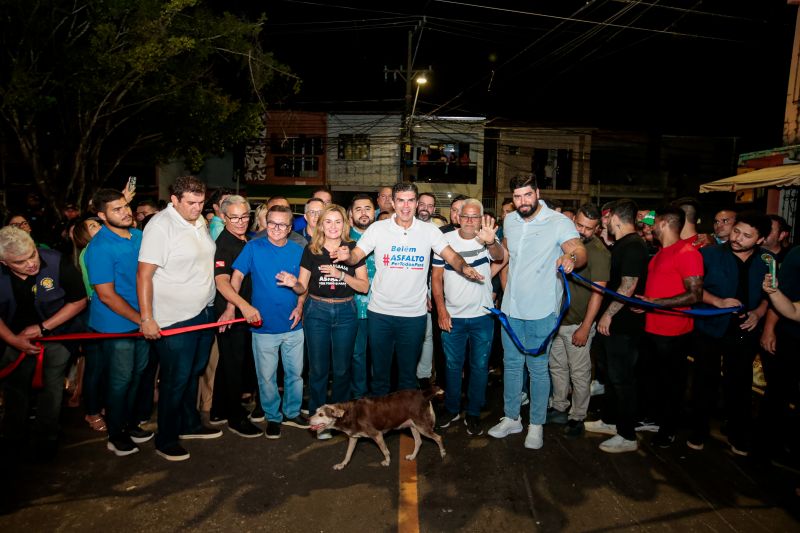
[(585, 21)]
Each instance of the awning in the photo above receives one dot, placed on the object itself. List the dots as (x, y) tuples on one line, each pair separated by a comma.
[(782, 176)]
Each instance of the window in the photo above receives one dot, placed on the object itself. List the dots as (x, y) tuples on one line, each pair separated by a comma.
[(353, 147), (296, 157)]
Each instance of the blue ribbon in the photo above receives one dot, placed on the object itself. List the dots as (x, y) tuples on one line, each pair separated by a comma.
[(513, 336), (636, 302)]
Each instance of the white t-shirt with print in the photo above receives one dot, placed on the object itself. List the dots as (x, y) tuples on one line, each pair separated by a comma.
[(402, 258)]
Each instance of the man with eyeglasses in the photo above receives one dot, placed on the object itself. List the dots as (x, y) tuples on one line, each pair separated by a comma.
[(313, 209), (723, 225), (234, 341), (277, 302)]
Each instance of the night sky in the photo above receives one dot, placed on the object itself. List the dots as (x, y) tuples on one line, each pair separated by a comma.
[(716, 67)]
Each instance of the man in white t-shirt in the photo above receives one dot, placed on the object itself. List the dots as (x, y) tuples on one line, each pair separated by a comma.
[(398, 308), (175, 287), (539, 240), (461, 304)]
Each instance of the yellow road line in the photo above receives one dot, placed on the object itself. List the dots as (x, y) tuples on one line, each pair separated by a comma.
[(408, 504)]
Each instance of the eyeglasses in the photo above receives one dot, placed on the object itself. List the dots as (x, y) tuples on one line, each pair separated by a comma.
[(239, 220), (24, 223), (314, 213), (470, 217), (277, 225), (723, 221)]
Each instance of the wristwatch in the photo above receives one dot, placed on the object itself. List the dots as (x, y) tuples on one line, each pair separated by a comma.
[(43, 329)]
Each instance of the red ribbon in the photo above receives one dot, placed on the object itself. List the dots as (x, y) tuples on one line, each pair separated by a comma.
[(37, 373)]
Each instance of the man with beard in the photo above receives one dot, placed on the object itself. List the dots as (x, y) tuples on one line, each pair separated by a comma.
[(362, 215), (175, 287), (570, 358), (426, 207), (734, 272), (398, 304), (723, 225), (538, 240), (674, 279), (41, 293), (111, 261), (627, 277)]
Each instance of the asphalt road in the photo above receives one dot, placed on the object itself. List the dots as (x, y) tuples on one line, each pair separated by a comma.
[(483, 484)]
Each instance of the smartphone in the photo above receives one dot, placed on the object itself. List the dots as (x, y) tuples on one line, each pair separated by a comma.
[(131, 185), (770, 261)]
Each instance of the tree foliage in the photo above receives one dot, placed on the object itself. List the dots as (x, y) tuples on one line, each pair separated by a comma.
[(85, 84)]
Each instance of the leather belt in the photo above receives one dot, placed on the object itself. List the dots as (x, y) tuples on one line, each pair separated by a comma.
[(330, 300)]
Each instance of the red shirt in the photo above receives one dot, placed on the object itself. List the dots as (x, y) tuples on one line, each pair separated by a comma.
[(665, 275)]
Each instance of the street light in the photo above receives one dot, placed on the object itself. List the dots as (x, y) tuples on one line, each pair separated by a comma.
[(421, 80)]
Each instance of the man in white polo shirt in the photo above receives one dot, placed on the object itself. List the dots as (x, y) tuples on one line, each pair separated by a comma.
[(175, 286), (539, 240), (398, 308)]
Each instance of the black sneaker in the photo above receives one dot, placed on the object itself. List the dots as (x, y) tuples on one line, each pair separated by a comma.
[(273, 430), (574, 429), (297, 422), (201, 433), (122, 446), (445, 418), (257, 415), (473, 424), (173, 453), (216, 420), (245, 429), (139, 435), (663, 441), (554, 416)]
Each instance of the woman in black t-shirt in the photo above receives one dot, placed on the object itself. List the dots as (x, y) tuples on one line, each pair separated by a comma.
[(329, 317)]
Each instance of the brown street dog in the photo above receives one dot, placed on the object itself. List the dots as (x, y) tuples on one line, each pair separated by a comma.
[(372, 417)]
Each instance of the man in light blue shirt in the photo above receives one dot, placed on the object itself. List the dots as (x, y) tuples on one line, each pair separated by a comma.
[(539, 240)]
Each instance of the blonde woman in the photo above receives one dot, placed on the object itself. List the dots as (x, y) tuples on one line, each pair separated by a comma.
[(329, 317)]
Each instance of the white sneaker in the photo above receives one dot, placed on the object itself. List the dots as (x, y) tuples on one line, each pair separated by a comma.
[(597, 388), (534, 440), (618, 444), (598, 426), (506, 427)]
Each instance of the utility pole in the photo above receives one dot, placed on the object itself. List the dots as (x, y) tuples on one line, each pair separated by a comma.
[(409, 75)]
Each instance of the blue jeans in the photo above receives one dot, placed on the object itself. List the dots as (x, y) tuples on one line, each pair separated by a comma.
[(183, 359), (126, 360), (95, 374), (265, 350), (532, 333), (387, 335), (330, 330), (479, 332), (358, 381)]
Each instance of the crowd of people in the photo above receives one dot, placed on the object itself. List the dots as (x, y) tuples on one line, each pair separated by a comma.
[(354, 301)]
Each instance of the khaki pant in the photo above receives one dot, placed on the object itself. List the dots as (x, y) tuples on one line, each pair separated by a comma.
[(206, 388), (571, 368)]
